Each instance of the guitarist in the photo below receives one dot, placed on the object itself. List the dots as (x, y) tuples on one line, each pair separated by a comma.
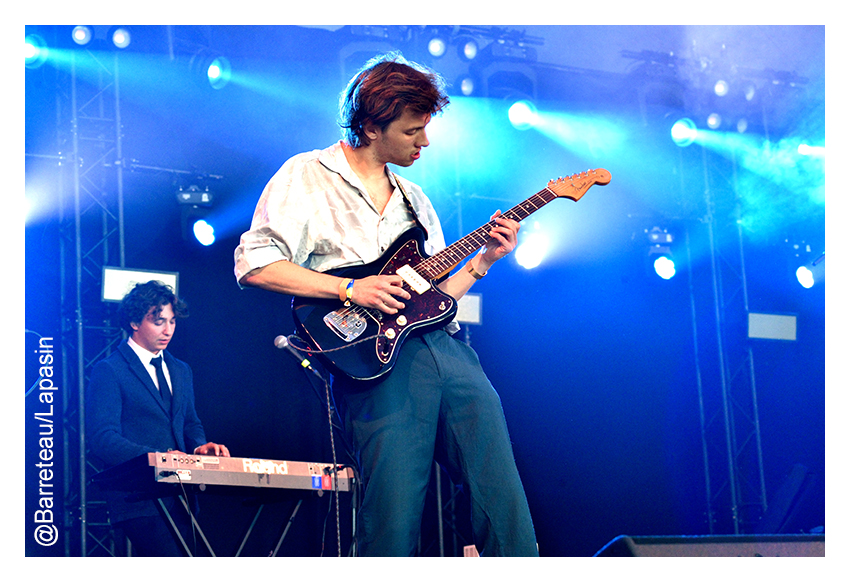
[(340, 207)]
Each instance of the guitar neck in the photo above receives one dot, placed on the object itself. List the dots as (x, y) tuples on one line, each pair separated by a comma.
[(445, 260)]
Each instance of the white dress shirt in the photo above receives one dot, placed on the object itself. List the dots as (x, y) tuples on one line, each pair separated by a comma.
[(317, 213), (145, 356)]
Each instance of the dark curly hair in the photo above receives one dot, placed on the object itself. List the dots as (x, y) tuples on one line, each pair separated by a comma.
[(381, 91), (138, 302)]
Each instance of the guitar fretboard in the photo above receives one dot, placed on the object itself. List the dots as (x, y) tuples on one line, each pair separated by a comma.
[(446, 259)]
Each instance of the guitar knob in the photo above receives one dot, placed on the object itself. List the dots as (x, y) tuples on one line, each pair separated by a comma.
[(401, 320), (390, 333)]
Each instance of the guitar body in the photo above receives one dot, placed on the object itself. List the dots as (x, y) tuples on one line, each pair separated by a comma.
[(364, 343)]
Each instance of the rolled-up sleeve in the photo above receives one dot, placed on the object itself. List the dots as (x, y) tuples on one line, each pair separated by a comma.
[(281, 211)]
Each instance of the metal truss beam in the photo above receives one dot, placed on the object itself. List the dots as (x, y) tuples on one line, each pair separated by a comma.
[(731, 435), (92, 237)]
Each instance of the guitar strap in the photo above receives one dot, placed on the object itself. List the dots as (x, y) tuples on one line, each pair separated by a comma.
[(409, 204)]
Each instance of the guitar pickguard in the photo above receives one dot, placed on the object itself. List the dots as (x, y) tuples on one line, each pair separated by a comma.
[(363, 343), (346, 323), (426, 307)]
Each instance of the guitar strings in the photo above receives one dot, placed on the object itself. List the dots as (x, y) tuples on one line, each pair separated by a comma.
[(463, 247)]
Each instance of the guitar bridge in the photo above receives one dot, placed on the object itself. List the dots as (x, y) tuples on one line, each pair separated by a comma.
[(346, 323)]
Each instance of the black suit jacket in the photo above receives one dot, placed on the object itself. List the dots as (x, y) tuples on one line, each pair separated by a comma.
[(125, 418)]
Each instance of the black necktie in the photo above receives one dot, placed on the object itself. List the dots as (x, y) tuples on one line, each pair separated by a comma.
[(164, 391)]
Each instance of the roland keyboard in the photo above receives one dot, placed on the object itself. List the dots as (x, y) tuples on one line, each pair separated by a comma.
[(202, 470), (247, 472)]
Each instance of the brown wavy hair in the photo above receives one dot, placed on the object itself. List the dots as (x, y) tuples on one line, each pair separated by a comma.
[(381, 91)]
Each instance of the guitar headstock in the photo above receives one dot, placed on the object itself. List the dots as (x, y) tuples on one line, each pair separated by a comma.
[(575, 186)]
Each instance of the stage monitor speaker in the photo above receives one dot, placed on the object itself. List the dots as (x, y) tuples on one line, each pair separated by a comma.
[(803, 545)]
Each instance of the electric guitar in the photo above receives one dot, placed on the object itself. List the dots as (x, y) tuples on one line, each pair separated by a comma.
[(363, 343)]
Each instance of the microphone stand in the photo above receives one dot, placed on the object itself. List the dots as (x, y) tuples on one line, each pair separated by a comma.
[(282, 342)]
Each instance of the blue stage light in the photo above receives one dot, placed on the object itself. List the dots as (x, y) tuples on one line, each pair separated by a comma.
[(468, 49), (204, 232), (437, 46), (532, 249), (35, 51), (466, 85), (523, 114), (218, 72), (121, 37), (684, 132), (714, 121), (82, 35), (805, 277), (664, 267)]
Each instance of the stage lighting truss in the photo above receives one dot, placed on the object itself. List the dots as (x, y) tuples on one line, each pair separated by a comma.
[(470, 58)]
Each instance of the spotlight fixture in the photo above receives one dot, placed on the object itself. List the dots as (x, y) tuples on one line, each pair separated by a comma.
[(208, 68), (660, 254), (194, 208), (721, 88), (467, 85), (511, 50), (684, 132), (467, 49), (204, 232), (35, 51), (194, 196), (82, 35), (437, 46), (523, 114), (659, 236), (218, 72), (120, 37), (807, 271), (714, 121), (805, 277)]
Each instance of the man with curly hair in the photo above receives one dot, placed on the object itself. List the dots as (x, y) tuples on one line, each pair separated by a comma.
[(140, 400)]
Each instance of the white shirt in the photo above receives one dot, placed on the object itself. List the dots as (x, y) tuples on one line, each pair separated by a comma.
[(145, 356), (316, 212)]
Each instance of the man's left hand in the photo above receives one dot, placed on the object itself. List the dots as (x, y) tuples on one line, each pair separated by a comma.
[(212, 450), (503, 240)]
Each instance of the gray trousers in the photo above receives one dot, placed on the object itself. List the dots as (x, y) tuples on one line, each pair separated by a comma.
[(436, 404)]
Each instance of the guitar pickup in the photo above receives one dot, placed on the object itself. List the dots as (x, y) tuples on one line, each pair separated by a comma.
[(416, 281)]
